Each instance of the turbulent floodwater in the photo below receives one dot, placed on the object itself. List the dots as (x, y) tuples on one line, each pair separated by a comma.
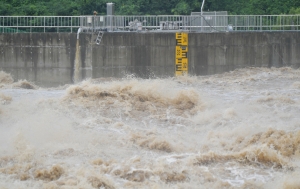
[(235, 130)]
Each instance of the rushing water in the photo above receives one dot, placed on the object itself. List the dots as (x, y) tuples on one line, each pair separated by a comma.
[(235, 130), (77, 64)]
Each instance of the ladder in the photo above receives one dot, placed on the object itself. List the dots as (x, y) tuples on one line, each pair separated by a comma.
[(99, 37)]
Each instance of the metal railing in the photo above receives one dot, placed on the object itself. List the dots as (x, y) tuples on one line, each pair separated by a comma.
[(265, 22), (196, 23), (39, 24)]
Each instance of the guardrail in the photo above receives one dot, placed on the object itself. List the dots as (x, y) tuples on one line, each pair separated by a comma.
[(206, 23), (39, 23), (265, 22)]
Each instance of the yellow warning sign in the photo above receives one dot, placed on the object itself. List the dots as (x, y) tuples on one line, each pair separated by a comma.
[(182, 39), (181, 52)]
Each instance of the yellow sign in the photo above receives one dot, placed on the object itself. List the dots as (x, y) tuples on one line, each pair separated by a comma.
[(181, 66), (181, 73), (182, 39), (181, 60), (181, 52)]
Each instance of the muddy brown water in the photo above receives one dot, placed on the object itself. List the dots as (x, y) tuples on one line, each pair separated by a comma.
[(240, 129)]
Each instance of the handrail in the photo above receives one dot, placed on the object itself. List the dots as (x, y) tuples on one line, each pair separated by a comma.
[(196, 23)]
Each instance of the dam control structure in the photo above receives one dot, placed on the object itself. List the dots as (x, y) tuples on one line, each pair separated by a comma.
[(55, 50)]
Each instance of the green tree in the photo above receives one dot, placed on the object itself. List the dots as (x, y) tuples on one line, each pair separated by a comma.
[(182, 8), (147, 7), (294, 10), (5, 8)]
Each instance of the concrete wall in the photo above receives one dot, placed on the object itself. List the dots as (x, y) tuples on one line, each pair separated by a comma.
[(48, 59), (142, 54), (45, 58), (212, 53)]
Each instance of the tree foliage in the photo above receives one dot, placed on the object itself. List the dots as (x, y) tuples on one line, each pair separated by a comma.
[(146, 7)]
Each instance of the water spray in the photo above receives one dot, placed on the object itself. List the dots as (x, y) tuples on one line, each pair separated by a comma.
[(79, 30)]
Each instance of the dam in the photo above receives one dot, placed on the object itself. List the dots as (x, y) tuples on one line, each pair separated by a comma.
[(58, 50), (232, 122), (48, 59), (47, 51)]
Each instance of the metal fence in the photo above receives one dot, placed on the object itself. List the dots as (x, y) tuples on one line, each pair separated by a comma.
[(209, 21), (265, 22), (39, 24), (195, 23)]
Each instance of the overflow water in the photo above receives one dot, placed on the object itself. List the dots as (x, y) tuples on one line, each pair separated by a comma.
[(239, 129), (77, 65)]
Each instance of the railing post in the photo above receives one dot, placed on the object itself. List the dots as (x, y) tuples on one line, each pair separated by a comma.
[(71, 24), (44, 24), (235, 22), (280, 23), (260, 22), (215, 22)]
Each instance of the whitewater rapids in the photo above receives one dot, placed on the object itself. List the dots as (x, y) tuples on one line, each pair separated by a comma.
[(239, 129)]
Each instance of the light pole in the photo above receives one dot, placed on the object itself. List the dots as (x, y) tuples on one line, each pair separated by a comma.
[(202, 6), (202, 13)]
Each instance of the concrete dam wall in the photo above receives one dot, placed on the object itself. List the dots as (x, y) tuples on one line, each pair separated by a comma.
[(52, 59)]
